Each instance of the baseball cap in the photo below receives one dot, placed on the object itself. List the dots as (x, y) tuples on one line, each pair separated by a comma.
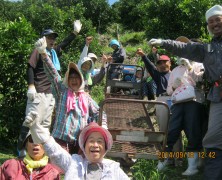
[(163, 58), (47, 32)]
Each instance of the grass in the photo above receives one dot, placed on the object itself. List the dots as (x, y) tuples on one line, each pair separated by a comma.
[(146, 170), (6, 153), (141, 170), (4, 157)]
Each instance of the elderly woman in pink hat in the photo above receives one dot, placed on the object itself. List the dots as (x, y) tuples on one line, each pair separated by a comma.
[(94, 141)]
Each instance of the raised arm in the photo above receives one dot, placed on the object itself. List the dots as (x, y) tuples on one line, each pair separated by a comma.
[(84, 53), (67, 41), (49, 68), (99, 77), (41, 135), (150, 67)]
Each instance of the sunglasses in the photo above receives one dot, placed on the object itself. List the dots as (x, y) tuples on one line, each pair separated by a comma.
[(30, 139)]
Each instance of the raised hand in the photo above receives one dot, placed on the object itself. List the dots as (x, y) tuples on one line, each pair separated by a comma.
[(77, 26), (40, 135), (140, 52), (41, 45), (155, 42), (186, 63), (30, 119)]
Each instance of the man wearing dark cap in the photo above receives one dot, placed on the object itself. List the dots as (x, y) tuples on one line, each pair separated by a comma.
[(39, 94), (210, 54)]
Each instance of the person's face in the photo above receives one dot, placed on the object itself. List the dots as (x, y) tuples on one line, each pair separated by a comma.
[(74, 81), (95, 147), (114, 47), (35, 151), (86, 66), (50, 40), (215, 25), (163, 66), (139, 74)]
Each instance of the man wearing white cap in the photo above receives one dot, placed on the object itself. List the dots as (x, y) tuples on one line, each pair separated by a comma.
[(210, 54)]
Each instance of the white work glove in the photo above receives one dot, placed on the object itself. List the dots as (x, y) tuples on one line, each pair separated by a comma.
[(185, 62), (177, 82), (155, 42), (31, 93), (41, 45), (40, 135), (77, 26)]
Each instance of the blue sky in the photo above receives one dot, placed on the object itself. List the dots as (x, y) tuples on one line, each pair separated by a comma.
[(112, 1)]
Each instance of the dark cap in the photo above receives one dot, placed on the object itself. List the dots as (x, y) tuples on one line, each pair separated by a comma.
[(47, 32)]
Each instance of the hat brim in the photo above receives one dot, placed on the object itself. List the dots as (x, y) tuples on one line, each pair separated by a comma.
[(23, 139), (92, 56), (50, 33), (54, 33), (163, 58)]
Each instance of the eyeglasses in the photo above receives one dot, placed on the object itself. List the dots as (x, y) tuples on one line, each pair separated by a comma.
[(73, 77)]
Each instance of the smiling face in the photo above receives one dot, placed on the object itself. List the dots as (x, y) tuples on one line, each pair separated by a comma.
[(163, 66), (95, 147), (86, 66), (74, 81), (215, 25), (35, 151)]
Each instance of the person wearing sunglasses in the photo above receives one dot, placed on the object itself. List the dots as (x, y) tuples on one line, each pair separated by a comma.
[(35, 165)]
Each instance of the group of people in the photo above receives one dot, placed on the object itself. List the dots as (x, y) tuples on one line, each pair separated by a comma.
[(187, 114), (75, 112), (75, 130)]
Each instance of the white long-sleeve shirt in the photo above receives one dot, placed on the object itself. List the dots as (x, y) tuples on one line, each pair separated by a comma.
[(75, 166)]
